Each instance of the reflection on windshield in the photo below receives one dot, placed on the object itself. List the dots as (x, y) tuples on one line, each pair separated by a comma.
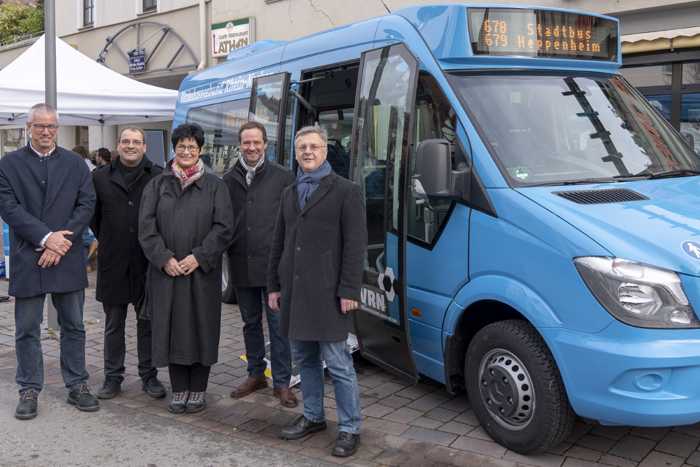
[(553, 129)]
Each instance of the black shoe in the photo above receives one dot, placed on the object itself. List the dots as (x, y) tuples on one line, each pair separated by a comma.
[(81, 397), (196, 402), (178, 402), (346, 444), (301, 427), (110, 389), (154, 388), (26, 409)]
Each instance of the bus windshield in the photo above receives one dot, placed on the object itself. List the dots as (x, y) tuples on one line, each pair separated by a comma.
[(569, 129)]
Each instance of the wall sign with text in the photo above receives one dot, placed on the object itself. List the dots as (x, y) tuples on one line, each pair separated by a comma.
[(231, 35)]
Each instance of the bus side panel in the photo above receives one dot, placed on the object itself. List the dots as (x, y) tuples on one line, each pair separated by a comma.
[(434, 275)]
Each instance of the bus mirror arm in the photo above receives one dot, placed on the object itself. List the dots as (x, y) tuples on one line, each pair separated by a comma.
[(434, 173)]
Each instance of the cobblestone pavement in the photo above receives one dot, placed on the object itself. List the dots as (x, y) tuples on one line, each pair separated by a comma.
[(403, 424)]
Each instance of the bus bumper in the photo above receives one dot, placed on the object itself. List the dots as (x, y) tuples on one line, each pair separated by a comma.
[(631, 376)]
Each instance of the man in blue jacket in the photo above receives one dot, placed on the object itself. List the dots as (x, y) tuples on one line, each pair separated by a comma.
[(47, 199)]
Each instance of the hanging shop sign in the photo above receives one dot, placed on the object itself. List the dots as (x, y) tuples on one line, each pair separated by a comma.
[(137, 60), (230, 35)]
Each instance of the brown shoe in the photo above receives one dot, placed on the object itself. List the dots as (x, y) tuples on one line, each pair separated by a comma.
[(286, 397), (249, 386)]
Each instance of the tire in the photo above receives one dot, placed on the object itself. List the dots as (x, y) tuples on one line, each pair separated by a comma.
[(228, 293), (531, 416)]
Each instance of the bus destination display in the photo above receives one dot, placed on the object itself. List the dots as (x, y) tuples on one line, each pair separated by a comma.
[(541, 33)]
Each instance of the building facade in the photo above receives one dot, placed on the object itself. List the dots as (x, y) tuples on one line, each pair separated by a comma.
[(161, 41)]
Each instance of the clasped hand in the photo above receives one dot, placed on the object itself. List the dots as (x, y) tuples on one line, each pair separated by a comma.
[(184, 267), (55, 247)]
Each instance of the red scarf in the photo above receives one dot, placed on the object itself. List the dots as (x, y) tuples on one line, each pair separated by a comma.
[(189, 175)]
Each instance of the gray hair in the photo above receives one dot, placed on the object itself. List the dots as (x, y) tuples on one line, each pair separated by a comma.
[(41, 108), (315, 129)]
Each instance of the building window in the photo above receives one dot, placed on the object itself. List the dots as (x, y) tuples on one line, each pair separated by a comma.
[(88, 12), (150, 5)]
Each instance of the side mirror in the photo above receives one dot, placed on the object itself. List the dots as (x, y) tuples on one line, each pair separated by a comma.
[(434, 176)]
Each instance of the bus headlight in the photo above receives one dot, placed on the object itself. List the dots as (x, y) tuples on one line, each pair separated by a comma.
[(637, 294)]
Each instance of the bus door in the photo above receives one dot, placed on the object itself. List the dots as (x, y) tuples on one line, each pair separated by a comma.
[(268, 101), (382, 134)]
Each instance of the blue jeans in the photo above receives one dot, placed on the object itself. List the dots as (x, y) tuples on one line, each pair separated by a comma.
[(29, 313), (308, 356), (251, 301)]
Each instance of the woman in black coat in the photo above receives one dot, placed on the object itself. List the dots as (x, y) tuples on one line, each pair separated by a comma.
[(185, 224)]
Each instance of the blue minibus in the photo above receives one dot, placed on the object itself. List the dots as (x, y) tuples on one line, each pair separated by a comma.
[(533, 222)]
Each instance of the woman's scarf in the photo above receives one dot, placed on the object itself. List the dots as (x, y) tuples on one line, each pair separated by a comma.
[(190, 175), (307, 182), (250, 171)]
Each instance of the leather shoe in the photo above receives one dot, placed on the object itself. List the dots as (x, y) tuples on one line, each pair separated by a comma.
[(154, 388), (27, 407), (346, 444), (81, 397), (301, 427), (286, 397), (110, 388), (249, 386)]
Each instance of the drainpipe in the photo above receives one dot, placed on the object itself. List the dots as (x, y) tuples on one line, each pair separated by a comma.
[(203, 30)]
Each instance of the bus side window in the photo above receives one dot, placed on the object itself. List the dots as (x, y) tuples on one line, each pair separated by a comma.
[(434, 118), (220, 123)]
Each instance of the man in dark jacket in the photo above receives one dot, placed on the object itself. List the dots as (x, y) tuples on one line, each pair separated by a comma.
[(47, 199), (121, 272), (314, 277), (255, 186)]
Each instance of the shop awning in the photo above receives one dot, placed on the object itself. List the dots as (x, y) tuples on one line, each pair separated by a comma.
[(88, 93), (655, 41)]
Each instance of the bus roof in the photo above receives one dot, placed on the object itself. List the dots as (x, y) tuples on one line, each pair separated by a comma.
[(445, 29)]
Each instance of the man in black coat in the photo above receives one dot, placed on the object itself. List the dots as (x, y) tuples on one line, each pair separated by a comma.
[(314, 277), (255, 186), (121, 269), (47, 199)]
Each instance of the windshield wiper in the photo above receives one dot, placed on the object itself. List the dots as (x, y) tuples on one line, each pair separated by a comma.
[(580, 181), (674, 173)]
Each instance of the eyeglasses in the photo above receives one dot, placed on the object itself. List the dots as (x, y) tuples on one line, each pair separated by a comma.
[(309, 147), (183, 148), (42, 127), (129, 142)]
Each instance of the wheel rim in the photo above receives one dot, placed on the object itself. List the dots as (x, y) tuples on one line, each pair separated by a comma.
[(506, 389), (224, 273)]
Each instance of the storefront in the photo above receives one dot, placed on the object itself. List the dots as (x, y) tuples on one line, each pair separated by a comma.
[(665, 67)]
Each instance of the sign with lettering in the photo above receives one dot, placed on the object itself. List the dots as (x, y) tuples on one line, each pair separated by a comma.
[(542, 33), (137, 60), (229, 36)]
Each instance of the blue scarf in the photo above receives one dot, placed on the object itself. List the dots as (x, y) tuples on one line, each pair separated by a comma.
[(307, 182)]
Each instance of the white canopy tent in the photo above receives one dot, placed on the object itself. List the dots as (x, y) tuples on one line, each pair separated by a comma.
[(88, 93)]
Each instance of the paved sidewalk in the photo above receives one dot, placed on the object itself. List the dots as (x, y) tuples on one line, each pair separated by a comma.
[(404, 425)]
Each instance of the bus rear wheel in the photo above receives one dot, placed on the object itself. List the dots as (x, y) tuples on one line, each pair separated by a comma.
[(515, 388)]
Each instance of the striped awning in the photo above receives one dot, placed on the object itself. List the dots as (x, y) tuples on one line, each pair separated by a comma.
[(655, 41)]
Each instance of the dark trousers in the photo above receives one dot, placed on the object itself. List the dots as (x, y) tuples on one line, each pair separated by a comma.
[(29, 313), (252, 301), (193, 378), (115, 345)]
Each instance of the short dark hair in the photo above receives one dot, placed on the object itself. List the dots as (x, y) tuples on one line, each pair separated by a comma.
[(253, 126), (188, 130), (104, 154), (81, 151)]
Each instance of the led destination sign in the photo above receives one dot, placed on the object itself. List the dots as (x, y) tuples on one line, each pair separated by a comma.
[(541, 33)]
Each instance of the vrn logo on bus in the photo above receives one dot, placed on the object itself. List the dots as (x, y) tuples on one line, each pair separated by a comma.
[(373, 299)]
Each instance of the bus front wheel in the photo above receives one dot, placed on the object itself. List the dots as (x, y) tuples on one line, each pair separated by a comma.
[(515, 388)]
